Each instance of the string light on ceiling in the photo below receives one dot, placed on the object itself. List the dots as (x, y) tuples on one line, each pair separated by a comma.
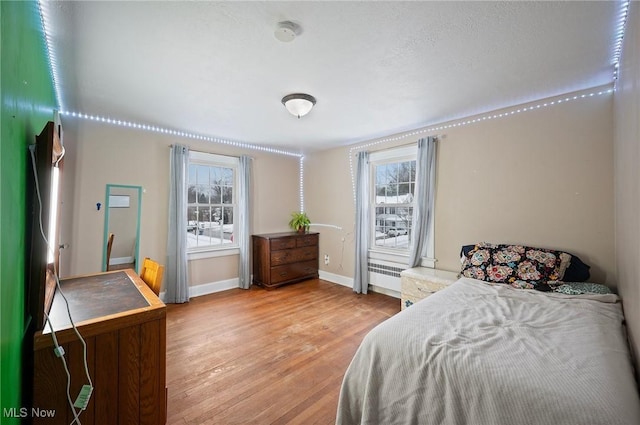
[(47, 32), (619, 36), (186, 134), (464, 122)]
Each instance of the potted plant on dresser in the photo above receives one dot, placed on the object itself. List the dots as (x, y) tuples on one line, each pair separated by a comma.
[(299, 222)]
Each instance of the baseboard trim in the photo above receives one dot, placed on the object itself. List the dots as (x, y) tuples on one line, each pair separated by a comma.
[(213, 287), (336, 278), (225, 285), (210, 288), (348, 282), (120, 260)]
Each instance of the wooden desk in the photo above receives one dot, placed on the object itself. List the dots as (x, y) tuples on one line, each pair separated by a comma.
[(124, 325)]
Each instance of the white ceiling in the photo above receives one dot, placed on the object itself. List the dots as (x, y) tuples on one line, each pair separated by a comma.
[(375, 68)]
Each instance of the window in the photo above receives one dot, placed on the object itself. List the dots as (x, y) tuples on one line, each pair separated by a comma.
[(211, 201), (394, 175)]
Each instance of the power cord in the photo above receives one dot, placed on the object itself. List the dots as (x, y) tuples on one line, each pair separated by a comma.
[(85, 393)]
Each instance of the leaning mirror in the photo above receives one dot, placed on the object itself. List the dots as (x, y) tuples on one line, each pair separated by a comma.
[(121, 227)]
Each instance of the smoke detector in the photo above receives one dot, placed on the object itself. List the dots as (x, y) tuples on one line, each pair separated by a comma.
[(286, 31)]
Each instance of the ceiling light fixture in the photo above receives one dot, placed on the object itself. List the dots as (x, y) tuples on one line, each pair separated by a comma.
[(298, 104)]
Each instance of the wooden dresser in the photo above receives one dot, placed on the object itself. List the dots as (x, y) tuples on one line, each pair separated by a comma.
[(124, 325), (420, 282), (283, 258)]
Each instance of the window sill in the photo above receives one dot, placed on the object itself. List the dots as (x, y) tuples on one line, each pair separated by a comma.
[(212, 253), (401, 258), (394, 257)]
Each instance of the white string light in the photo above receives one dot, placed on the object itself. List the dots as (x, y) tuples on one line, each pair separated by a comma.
[(50, 50), (302, 184), (188, 135), (43, 9), (466, 121), (179, 133), (619, 37)]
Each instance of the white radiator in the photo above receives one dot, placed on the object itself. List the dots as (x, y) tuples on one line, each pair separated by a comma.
[(383, 274)]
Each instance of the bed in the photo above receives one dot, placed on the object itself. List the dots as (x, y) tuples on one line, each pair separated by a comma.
[(483, 353)]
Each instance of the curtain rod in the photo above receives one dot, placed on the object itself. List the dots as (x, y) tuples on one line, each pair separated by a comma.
[(415, 142), (438, 137), (221, 154)]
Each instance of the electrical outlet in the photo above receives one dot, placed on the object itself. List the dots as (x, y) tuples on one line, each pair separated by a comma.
[(326, 259)]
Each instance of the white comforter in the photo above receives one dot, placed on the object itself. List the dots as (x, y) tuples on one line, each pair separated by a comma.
[(492, 355)]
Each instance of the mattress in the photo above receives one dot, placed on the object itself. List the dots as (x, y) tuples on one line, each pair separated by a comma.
[(476, 353)]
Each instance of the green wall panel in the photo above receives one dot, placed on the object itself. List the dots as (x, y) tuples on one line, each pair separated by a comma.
[(28, 102)]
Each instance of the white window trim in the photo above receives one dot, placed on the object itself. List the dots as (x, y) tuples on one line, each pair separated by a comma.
[(385, 255), (409, 152), (212, 159), (212, 253), (394, 154)]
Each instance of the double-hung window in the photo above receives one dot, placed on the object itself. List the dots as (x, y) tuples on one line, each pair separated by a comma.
[(393, 180), (394, 173), (211, 201)]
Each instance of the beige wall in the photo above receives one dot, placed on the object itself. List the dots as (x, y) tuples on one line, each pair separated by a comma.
[(106, 154), (627, 179), (329, 200), (542, 178)]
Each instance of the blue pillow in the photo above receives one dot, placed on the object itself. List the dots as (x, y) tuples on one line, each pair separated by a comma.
[(577, 271)]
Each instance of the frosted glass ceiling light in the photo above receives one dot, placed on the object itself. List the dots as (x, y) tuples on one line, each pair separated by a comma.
[(298, 104)]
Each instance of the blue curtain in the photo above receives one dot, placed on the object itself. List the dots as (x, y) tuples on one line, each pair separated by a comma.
[(176, 277), (363, 202), (424, 197), (244, 222)]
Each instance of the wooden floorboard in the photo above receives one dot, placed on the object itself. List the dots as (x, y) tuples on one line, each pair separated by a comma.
[(266, 357)]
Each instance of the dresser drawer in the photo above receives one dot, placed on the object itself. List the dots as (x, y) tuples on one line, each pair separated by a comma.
[(287, 256), (282, 243), (307, 240), (294, 271)]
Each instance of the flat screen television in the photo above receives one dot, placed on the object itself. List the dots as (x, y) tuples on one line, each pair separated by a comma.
[(42, 263)]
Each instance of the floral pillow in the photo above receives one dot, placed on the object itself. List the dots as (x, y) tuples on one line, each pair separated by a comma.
[(516, 265)]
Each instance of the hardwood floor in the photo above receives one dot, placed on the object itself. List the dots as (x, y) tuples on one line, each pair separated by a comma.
[(266, 357)]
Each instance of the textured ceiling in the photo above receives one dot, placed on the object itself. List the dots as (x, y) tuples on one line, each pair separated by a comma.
[(375, 68)]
